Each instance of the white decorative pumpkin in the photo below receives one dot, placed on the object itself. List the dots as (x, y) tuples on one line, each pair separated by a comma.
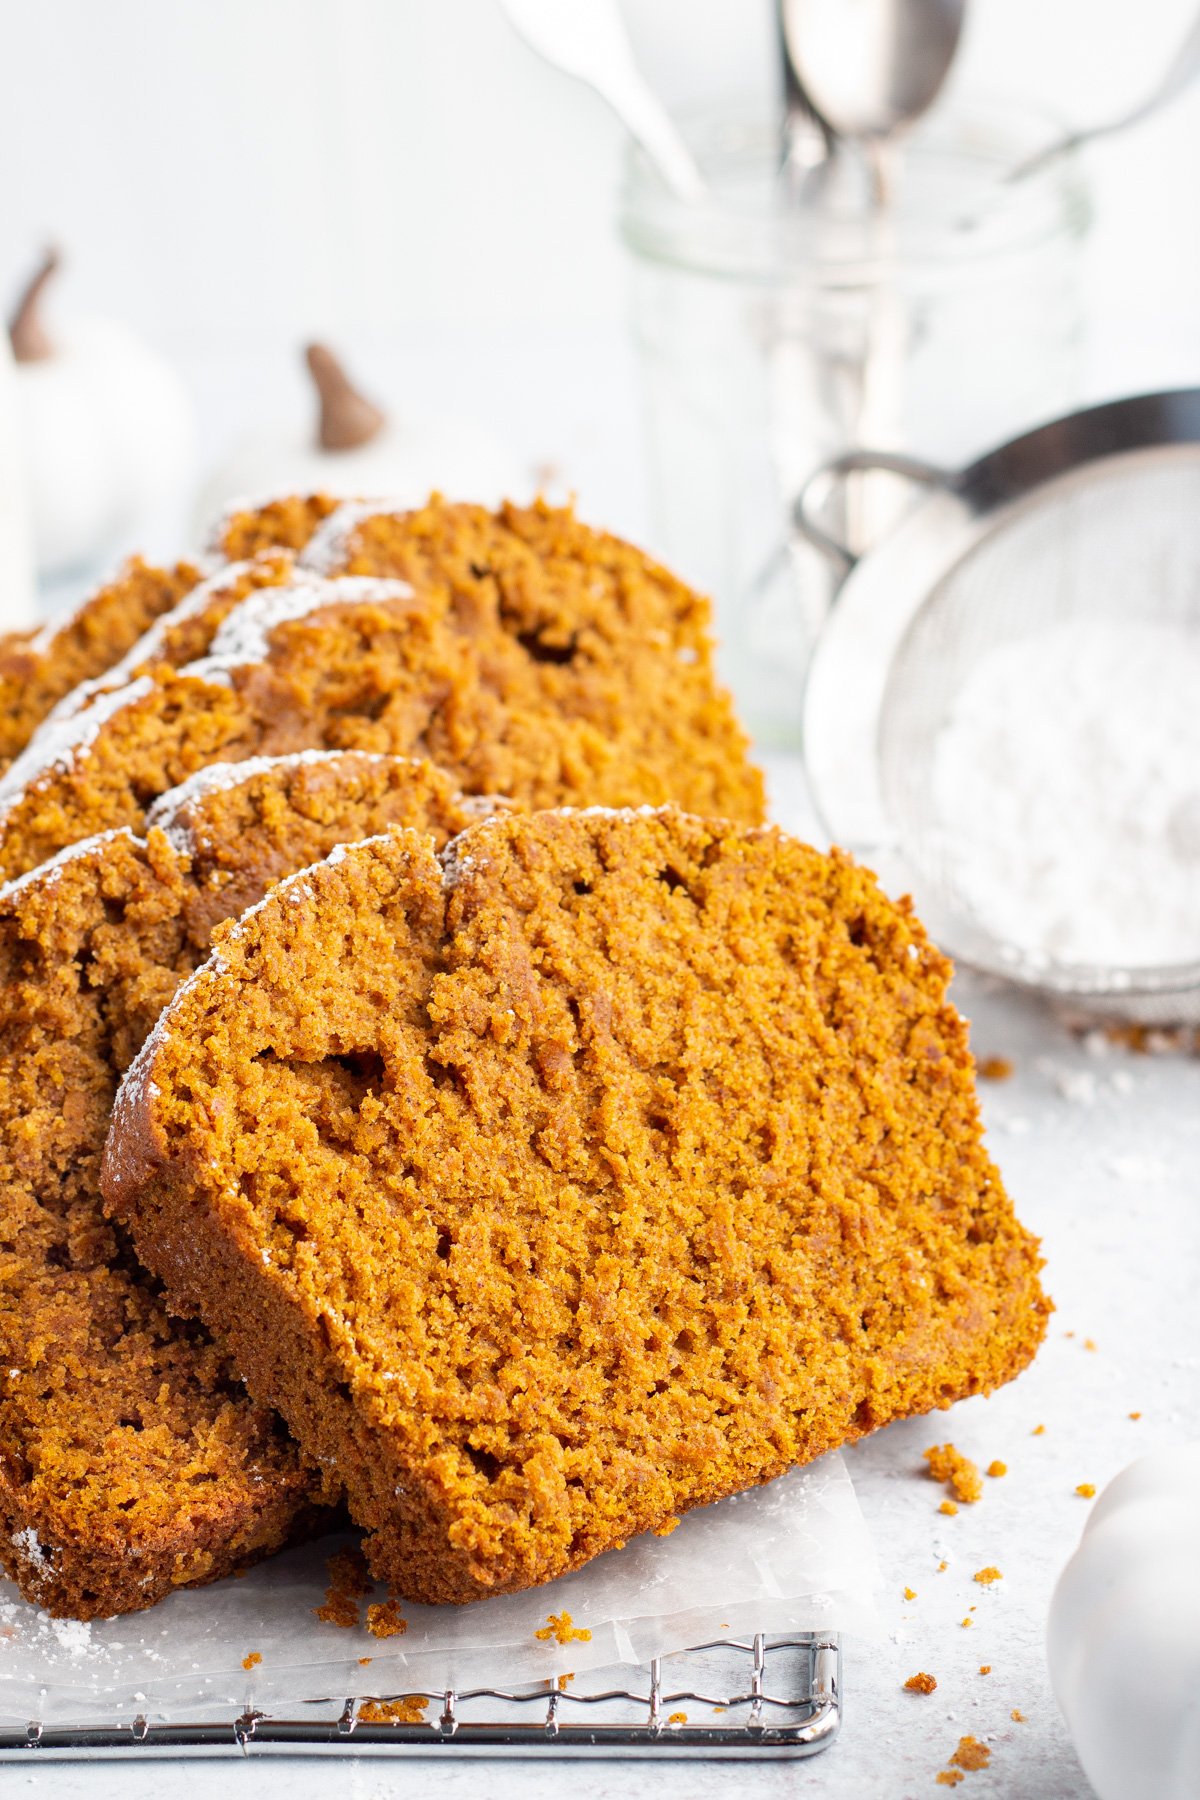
[(17, 608), (106, 433), (1124, 1635), (356, 452)]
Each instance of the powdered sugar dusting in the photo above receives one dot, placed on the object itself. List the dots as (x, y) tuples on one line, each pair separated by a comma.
[(47, 874), (138, 1086), (244, 635), (225, 777), (59, 744), (45, 639), (29, 1549), (329, 547), (457, 861), (150, 646), (214, 537)]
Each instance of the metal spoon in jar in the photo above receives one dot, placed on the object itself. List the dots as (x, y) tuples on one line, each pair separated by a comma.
[(865, 69), (587, 39)]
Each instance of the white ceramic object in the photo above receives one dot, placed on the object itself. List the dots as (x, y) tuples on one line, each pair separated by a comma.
[(106, 433), (353, 450), (1124, 1633), (16, 559)]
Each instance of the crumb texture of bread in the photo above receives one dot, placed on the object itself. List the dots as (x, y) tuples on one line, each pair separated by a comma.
[(131, 1461), (605, 1165), (524, 653), (38, 668), (286, 522)]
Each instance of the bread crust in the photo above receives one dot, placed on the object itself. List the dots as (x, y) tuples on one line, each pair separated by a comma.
[(131, 1461), (520, 651)]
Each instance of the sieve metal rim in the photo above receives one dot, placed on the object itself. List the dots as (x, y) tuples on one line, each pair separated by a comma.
[(882, 592)]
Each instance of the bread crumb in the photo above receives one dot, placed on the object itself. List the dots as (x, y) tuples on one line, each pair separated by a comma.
[(942, 1565), (910, 1593), (252, 1661), (562, 1629), (564, 1679), (988, 1575), (1086, 1490), (996, 1469), (996, 1068), (965, 1623), (1135, 1415), (410, 1710), (959, 1473), (985, 1668), (384, 1621), (349, 1581), (1017, 1715), (948, 1507), (676, 1718), (971, 1754), (1089, 1343), (921, 1684), (364, 1660), (1068, 1334), (950, 1777)]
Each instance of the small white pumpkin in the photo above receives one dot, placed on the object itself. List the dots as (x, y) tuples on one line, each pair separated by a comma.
[(355, 452), (1124, 1634), (17, 608), (105, 428)]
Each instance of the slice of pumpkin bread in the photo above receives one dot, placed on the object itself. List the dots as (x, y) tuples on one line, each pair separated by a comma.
[(602, 1166), (280, 521), (478, 668), (573, 619), (131, 1461), (37, 668), (184, 634)]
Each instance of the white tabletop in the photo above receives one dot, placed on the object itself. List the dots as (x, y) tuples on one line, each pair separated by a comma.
[(1100, 1149)]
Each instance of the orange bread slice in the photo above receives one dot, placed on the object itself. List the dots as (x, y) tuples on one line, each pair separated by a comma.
[(37, 668), (600, 1167), (571, 619), (184, 634), (476, 665), (281, 521), (131, 1461)]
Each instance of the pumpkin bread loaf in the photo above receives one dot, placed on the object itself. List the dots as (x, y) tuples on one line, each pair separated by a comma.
[(37, 668), (567, 667), (602, 1166), (131, 1461)]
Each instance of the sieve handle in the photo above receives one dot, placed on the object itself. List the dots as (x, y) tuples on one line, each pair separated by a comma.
[(821, 482)]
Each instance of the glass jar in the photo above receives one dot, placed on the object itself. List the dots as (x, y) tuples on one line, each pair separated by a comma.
[(785, 319)]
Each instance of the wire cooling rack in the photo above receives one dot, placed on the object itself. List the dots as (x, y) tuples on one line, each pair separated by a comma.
[(768, 1698)]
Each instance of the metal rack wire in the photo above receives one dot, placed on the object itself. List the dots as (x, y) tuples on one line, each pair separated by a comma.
[(781, 1698)]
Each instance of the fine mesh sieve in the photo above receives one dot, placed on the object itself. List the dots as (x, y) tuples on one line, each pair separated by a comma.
[(1095, 516)]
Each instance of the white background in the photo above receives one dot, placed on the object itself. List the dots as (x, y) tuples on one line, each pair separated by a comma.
[(233, 176)]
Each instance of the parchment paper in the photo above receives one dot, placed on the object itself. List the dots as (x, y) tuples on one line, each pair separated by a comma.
[(794, 1555)]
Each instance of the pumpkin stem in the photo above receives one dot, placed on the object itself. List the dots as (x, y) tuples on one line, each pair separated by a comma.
[(348, 419), (30, 340)]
